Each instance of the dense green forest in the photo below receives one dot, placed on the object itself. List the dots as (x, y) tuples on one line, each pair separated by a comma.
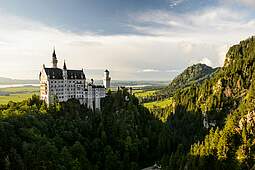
[(124, 135), (227, 102)]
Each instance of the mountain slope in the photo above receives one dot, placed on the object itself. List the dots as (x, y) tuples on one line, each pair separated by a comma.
[(222, 93), (227, 98), (193, 74)]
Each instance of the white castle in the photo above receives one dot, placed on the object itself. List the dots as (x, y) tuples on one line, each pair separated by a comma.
[(58, 84)]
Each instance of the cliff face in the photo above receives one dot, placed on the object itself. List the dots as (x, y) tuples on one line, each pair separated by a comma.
[(247, 122)]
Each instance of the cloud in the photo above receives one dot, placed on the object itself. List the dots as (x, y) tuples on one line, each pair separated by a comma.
[(26, 45), (174, 71), (173, 3), (169, 43), (206, 61), (149, 70), (209, 32), (248, 3), (187, 47), (202, 22)]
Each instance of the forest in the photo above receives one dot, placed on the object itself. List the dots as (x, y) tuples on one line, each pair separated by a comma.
[(69, 136), (226, 102)]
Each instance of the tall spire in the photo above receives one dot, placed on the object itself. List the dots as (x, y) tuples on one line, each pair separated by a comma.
[(54, 59), (54, 52), (64, 67)]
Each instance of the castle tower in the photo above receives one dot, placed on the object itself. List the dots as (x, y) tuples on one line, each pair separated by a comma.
[(91, 95), (54, 60), (65, 91), (107, 79), (64, 67)]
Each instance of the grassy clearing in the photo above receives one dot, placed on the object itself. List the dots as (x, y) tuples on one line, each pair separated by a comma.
[(17, 94), (161, 104), (14, 98), (142, 93), (159, 108)]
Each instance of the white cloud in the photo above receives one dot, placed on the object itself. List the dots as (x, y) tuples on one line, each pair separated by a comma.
[(189, 25), (206, 61), (173, 71), (26, 45), (187, 47), (173, 3), (208, 32), (149, 70), (173, 41)]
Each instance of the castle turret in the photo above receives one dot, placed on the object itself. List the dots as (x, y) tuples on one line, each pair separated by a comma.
[(65, 91), (54, 60), (107, 79), (64, 71)]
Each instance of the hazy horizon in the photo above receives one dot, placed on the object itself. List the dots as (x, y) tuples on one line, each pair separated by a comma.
[(114, 80), (135, 40)]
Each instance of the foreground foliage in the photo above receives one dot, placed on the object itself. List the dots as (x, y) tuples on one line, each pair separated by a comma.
[(123, 135)]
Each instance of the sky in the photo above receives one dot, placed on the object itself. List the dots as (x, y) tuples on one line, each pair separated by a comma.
[(133, 39)]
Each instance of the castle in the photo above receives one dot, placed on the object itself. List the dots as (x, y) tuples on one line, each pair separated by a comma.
[(58, 84)]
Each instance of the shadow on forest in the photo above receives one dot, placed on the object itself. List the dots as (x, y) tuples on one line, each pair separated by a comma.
[(181, 128)]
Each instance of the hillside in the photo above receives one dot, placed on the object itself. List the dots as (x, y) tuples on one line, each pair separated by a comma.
[(226, 89), (227, 101), (161, 99), (193, 74)]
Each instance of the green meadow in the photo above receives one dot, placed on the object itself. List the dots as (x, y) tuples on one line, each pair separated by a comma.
[(159, 104), (17, 94), (159, 108), (142, 93)]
